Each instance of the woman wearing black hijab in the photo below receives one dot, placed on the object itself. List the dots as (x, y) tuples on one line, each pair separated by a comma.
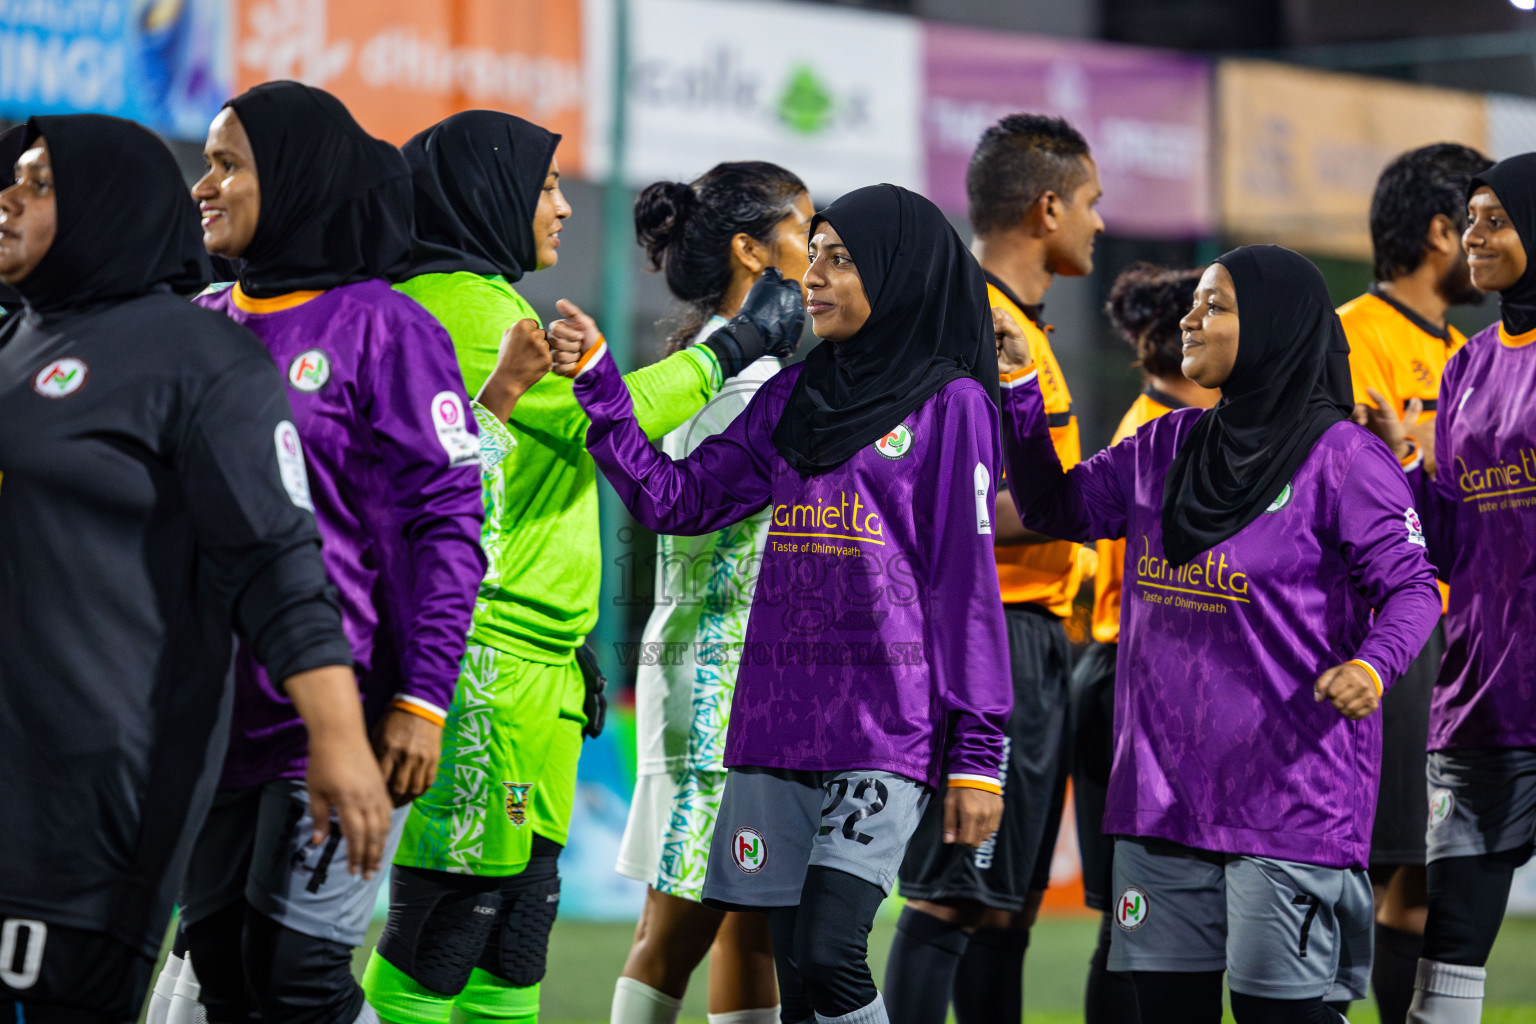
[(1481, 527), (1260, 535), (489, 210), (319, 214), (874, 669), (148, 506)]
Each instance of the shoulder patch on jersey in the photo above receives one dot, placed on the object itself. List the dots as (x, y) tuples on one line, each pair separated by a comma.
[(1281, 500), (1415, 528), (60, 378), (897, 443), (290, 464), (982, 477), (452, 432), (309, 371)]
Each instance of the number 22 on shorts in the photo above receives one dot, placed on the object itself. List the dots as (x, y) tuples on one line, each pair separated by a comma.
[(838, 790)]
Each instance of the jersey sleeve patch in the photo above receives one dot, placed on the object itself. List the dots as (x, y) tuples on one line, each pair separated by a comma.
[(453, 434), (290, 465), (982, 478)]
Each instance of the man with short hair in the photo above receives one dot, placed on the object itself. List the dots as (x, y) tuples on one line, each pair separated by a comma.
[(1032, 187), (1399, 344)]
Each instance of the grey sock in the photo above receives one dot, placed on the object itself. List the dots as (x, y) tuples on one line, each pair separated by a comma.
[(1447, 994), (874, 1013)]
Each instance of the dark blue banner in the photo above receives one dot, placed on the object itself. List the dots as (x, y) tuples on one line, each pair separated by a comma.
[(164, 63)]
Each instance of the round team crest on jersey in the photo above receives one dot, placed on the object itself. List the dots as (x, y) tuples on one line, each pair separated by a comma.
[(749, 850), (1131, 908), (897, 443), (1441, 802), (60, 378), (309, 371), (1281, 500)]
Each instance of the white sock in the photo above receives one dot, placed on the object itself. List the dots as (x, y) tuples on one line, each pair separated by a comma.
[(635, 1002), (874, 1013), (761, 1015), (1447, 994), (165, 987), (367, 1015), (184, 1007)]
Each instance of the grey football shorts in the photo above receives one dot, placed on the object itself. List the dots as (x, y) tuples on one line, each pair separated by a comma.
[(1481, 801), (1281, 930), (775, 823), (255, 845)]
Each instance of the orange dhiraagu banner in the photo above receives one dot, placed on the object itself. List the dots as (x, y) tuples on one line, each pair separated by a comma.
[(402, 65), (1301, 149)]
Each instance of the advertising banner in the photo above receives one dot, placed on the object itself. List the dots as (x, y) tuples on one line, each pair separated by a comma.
[(162, 63), (1145, 113), (402, 65), (1301, 149), (752, 80)]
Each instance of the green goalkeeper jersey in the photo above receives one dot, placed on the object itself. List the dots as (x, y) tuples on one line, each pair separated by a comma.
[(540, 593)]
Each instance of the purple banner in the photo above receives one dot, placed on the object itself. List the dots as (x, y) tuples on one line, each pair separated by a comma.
[(1146, 114)]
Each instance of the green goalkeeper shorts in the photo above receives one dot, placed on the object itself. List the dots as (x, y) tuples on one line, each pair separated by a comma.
[(508, 767)]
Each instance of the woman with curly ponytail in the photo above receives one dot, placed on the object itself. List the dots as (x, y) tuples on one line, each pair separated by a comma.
[(714, 240)]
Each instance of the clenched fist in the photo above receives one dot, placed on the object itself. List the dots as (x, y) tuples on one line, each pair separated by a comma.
[(521, 361), (572, 338)]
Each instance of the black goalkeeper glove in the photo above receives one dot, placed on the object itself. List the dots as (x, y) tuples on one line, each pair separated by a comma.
[(768, 325), (595, 706)]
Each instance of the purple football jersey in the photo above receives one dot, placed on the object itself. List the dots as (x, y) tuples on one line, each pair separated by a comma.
[(393, 474), (876, 638), (1480, 516), (1219, 742)]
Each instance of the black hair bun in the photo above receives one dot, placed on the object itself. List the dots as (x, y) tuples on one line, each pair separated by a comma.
[(661, 213)]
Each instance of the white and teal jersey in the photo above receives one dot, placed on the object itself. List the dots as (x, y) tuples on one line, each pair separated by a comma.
[(704, 585)]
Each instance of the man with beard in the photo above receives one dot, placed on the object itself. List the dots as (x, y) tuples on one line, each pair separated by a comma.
[(1399, 344)]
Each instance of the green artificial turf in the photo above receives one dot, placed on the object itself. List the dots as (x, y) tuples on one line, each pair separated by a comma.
[(585, 958)]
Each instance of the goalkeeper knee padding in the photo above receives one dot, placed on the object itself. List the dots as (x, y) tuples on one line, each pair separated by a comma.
[(439, 925), (518, 949)]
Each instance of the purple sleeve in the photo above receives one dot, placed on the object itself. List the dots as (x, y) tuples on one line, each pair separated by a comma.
[(1437, 511), (1383, 545), (1435, 496), (427, 438), (723, 481), (1088, 502), (966, 639)]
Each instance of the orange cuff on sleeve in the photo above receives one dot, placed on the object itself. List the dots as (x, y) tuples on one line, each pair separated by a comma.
[(1017, 375), (985, 785), (591, 354), (1375, 676), (420, 710)]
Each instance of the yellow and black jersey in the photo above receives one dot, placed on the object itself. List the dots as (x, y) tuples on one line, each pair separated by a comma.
[(1149, 405), (1397, 353), (1043, 574)]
